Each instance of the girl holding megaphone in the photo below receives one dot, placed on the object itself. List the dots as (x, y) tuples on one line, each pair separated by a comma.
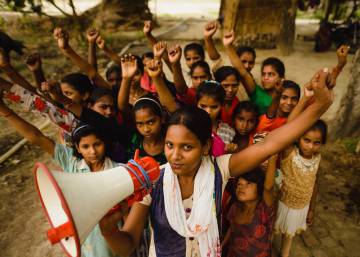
[(184, 207), (87, 155)]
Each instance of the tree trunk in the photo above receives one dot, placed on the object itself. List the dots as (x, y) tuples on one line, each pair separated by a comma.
[(111, 14), (261, 23), (347, 122), (287, 28)]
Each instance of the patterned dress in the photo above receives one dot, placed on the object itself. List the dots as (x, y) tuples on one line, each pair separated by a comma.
[(253, 239)]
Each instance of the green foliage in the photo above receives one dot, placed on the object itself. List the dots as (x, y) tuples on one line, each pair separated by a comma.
[(21, 5), (350, 143)]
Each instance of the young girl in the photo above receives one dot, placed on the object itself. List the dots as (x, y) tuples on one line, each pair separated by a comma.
[(272, 71), (229, 78), (251, 217), (199, 72), (299, 166), (210, 97), (149, 135), (245, 119), (87, 155), (184, 206)]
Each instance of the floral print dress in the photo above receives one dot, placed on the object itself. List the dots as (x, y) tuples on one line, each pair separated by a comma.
[(35, 103), (253, 239)]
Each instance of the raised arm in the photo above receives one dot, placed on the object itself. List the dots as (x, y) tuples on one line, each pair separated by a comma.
[(275, 95), (247, 79), (304, 101), (27, 130), (160, 52), (109, 52), (165, 97), (209, 31), (14, 76), (174, 58), (62, 38), (33, 62), (91, 36), (341, 53), (268, 194), (128, 68), (280, 138)]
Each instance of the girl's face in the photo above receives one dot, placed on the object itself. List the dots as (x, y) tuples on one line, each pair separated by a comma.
[(246, 191), (231, 87), (105, 106), (244, 122), (247, 60), (310, 143), (70, 92), (199, 75), (191, 57), (114, 79), (288, 100), (148, 123), (92, 149), (269, 77), (211, 106), (183, 150), (145, 61)]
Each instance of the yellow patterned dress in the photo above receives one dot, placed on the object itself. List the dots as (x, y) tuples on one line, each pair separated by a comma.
[(299, 176)]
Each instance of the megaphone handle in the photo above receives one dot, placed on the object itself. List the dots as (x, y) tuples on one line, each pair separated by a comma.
[(57, 233)]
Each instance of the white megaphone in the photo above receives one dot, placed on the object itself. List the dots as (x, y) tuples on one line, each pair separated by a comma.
[(75, 202)]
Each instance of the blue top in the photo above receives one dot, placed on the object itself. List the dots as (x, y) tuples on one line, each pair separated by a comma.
[(95, 244)]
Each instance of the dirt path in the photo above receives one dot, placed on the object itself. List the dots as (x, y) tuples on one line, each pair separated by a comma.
[(23, 225)]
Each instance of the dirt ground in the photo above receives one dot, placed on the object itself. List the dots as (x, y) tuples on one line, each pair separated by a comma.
[(23, 225)]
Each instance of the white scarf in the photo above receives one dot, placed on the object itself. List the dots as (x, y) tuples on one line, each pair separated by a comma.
[(202, 222)]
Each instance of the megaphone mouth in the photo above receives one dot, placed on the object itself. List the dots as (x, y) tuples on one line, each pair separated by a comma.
[(50, 196)]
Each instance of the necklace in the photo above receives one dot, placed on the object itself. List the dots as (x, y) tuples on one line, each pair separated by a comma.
[(306, 164)]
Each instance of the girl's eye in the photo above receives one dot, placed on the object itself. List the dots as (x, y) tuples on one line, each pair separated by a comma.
[(168, 145), (187, 147)]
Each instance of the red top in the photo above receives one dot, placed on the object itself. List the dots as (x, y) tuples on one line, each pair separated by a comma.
[(226, 114), (268, 125), (189, 97), (253, 239)]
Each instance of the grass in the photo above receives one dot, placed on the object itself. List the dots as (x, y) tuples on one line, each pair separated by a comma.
[(350, 143)]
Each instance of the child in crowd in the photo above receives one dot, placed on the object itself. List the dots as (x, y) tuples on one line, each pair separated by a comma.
[(247, 56), (229, 78), (200, 71), (146, 114), (272, 72), (209, 96), (245, 120), (113, 76), (150, 124), (285, 97), (251, 216), (87, 155), (299, 168)]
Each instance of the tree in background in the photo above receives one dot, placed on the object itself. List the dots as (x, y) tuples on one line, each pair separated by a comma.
[(347, 122), (108, 14)]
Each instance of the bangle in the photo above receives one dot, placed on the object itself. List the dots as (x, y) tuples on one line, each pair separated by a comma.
[(7, 114)]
